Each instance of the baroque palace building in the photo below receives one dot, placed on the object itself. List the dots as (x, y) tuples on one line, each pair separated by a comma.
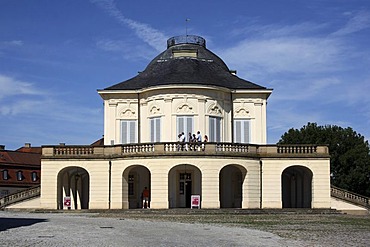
[(186, 88)]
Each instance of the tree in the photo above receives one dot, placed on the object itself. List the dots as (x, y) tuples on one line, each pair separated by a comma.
[(349, 151)]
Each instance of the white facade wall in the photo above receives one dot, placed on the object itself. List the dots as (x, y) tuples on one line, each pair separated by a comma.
[(199, 102), (209, 168), (159, 175), (272, 170)]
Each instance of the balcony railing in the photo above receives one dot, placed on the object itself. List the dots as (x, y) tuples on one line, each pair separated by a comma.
[(189, 149)]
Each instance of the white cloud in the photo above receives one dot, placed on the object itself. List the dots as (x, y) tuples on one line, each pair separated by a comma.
[(24, 98), (22, 107), (317, 74), (111, 45), (127, 49), (11, 87), (149, 35), (11, 43), (276, 31), (357, 22), (290, 54)]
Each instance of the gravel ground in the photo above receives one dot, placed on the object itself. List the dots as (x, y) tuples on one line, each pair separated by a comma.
[(161, 228)]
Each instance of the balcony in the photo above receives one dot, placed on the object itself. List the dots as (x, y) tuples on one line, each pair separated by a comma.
[(185, 149)]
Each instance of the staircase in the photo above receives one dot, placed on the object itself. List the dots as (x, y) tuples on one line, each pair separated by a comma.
[(350, 197), (19, 196)]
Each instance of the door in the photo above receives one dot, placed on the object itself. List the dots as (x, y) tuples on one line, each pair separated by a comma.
[(185, 190)]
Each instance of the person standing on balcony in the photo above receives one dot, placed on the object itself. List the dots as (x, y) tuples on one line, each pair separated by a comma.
[(190, 140), (205, 140), (199, 137), (183, 137), (190, 137), (181, 141)]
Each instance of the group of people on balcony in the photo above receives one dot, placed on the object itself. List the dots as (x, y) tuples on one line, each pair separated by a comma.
[(193, 141)]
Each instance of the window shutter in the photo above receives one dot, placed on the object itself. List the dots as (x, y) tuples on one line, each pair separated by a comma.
[(158, 130), (152, 128), (128, 131), (189, 125), (132, 131), (155, 129), (185, 124), (237, 130), (218, 129), (242, 131), (212, 133), (124, 132), (180, 125), (246, 131)]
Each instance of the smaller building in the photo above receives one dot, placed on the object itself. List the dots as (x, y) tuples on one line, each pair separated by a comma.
[(20, 169)]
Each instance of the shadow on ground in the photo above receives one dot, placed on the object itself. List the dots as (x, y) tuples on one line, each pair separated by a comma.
[(7, 223)]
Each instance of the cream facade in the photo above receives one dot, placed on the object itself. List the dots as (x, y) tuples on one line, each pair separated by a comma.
[(186, 89), (198, 103)]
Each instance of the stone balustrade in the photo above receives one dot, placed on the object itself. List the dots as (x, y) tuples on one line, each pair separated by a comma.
[(20, 196), (350, 197), (176, 148)]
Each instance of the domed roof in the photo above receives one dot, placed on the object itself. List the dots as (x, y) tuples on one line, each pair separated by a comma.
[(186, 61)]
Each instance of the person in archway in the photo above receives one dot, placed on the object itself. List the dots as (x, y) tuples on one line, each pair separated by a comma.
[(145, 197)]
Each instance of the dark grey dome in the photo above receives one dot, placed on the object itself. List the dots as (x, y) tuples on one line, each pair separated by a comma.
[(186, 61)]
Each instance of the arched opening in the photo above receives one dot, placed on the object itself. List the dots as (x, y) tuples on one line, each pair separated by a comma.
[(135, 179), (231, 186), (183, 182), (73, 182), (296, 185)]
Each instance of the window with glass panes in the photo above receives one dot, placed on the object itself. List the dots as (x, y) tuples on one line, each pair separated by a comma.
[(214, 129), (242, 131), (19, 175), (155, 129), (5, 175), (128, 131), (185, 124)]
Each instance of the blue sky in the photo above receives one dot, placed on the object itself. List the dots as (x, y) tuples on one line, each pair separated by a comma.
[(54, 55)]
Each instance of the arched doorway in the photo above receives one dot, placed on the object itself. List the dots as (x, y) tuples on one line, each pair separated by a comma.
[(183, 182), (231, 186), (296, 185), (73, 182), (135, 179)]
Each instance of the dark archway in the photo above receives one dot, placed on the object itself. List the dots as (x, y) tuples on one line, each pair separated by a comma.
[(231, 186), (73, 182), (183, 182), (296, 186), (135, 179)]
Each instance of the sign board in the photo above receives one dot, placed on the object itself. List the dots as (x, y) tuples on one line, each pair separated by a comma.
[(67, 201), (195, 201)]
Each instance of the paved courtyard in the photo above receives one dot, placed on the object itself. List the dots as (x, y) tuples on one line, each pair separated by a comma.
[(79, 229)]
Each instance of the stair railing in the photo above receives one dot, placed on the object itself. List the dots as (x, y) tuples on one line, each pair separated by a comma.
[(351, 197), (19, 196)]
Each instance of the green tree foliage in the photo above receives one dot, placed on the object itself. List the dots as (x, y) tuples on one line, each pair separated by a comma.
[(349, 151)]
